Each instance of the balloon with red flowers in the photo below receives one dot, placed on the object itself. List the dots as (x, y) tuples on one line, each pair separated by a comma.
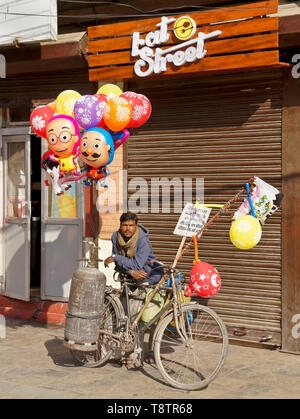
[(39, 118), (103, 100)]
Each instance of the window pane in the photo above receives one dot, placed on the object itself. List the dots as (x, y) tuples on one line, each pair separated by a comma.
[(63, 206), (16, 198)]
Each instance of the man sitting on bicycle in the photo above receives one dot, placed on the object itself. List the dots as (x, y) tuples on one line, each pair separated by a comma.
[(132, 251), (133, 256)]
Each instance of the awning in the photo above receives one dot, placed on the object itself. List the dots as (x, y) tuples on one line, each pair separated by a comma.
[(67, 53)]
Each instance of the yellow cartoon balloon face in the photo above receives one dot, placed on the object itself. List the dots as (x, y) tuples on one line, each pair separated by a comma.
[(184, 28), (94, 150), (61, 137)]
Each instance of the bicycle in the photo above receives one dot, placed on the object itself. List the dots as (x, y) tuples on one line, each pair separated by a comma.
[(190, 341)]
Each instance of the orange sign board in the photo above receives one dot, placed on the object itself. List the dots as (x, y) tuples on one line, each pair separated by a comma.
[(232, 38)]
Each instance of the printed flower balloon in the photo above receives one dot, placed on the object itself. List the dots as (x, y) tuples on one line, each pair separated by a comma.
[(117, 113), (65, 102), (102, 100), (110, 90), (88, 111), (141, 108), (39, 118)]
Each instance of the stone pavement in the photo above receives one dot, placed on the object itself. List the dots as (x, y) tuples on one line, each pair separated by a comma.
[(35, 365)]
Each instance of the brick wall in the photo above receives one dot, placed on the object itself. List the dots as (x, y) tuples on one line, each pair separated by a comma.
[(111, 199)]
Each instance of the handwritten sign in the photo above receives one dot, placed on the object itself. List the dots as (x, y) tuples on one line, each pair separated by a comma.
[(192, 219)]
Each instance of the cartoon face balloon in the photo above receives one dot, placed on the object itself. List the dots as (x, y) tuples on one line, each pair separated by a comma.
[(96, 147), (63, 136)]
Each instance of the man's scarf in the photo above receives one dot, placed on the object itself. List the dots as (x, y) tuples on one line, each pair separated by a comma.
[(127, 248)]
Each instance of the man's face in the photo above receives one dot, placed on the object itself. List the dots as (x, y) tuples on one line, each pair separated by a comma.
[(93, 149), (128, 228), (61, 137)]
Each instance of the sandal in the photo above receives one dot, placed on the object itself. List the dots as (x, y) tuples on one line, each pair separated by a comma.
[(127, 361), (149, 358)]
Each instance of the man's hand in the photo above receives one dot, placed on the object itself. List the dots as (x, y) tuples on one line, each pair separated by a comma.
[(108, 260), (138, 275)]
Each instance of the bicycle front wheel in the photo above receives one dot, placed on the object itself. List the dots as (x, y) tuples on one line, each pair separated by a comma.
[(191, 358)]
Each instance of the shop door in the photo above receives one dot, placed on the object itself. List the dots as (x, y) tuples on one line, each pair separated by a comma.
[(17, 212), (62, 231)]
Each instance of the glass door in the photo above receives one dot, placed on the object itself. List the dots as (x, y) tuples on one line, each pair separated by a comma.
[(62, 231), (17, 213)]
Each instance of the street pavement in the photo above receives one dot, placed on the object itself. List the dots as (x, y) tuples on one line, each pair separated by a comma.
[(35, 365)]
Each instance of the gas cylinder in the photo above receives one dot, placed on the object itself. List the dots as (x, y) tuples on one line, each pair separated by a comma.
[(86, 304)]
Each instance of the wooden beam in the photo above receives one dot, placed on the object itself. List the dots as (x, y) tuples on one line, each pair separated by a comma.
[(246, 61), (289, 25), (245, 27), (247, 43), (69, 49), (201, 18)]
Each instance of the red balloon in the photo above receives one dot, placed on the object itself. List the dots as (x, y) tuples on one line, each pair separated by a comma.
[(205, 280), (103, 100), (147, 109), (141, 108), (39, 118)]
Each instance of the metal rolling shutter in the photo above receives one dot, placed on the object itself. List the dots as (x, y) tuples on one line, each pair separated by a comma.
[(224, 129), (20, 91)]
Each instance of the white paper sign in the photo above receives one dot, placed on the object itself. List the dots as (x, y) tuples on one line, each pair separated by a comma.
[(192, 219)]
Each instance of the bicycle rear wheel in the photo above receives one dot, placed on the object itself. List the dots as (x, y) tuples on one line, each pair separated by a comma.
[(191, 363), (109, 322)]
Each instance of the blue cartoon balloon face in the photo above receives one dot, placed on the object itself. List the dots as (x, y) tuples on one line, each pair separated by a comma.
[(94, 150)]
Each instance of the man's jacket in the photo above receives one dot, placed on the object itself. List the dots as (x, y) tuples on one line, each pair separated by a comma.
[(144, 258)]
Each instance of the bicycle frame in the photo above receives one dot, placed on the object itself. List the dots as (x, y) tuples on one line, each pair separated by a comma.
[(174, 304)]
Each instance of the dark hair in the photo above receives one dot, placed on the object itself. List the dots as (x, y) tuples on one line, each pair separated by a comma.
[(128, 216)]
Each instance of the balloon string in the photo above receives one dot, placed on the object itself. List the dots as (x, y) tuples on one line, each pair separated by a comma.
[(196, 249)]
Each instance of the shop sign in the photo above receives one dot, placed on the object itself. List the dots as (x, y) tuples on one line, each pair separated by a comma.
[(229, 39), (154, 60)]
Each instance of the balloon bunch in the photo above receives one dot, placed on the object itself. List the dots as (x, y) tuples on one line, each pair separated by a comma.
[(106, 119), (261, 203)]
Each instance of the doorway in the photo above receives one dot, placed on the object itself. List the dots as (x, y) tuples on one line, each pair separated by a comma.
[(35, 230), (42, 233)]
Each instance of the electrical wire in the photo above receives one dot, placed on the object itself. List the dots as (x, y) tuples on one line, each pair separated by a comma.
[(143, 13), (186, 6)]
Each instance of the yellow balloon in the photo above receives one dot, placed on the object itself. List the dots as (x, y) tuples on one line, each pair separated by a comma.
[(65, 102), (110, 90), (52, 105), (245, 232)]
